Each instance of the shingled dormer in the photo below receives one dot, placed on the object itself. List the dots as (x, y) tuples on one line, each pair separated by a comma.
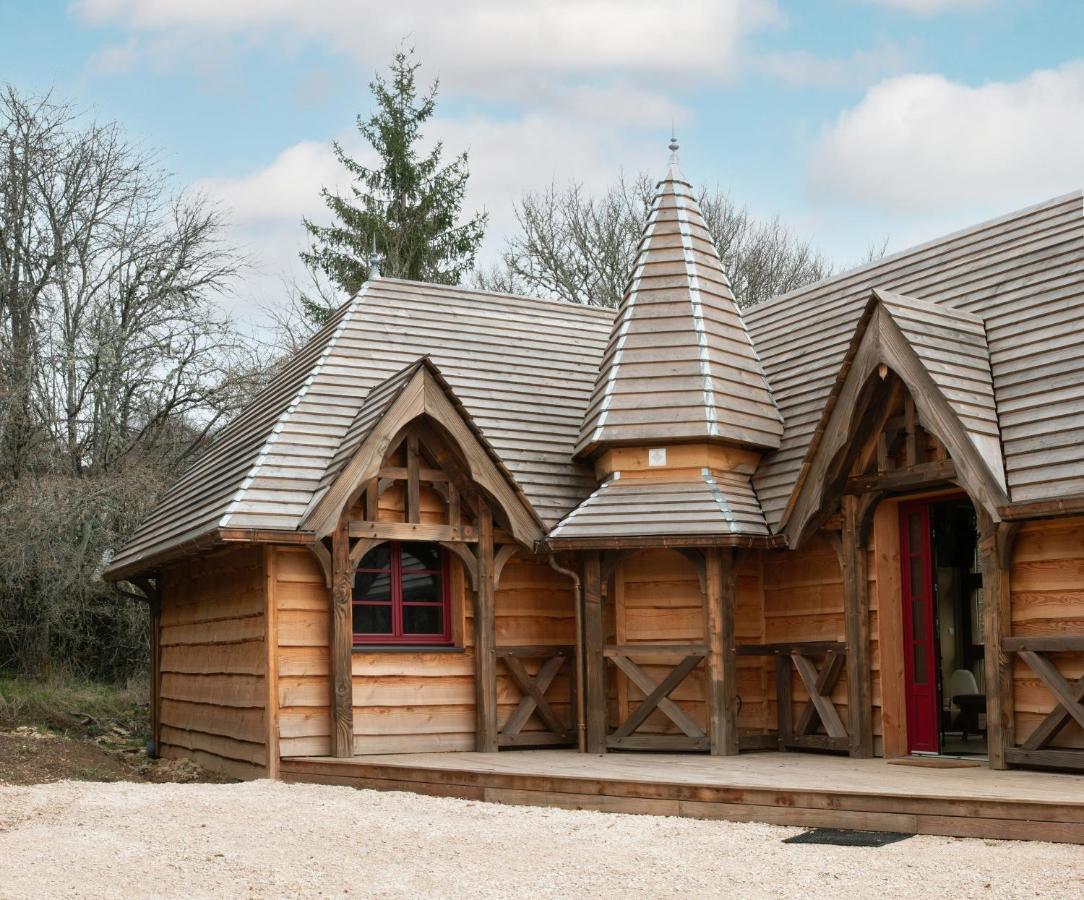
[(679, 367)]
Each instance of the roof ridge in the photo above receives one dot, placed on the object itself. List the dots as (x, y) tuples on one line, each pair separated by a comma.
[(959, 233), (505, 295)]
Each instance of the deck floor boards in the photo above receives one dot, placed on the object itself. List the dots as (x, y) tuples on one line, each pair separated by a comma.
[(780, 788)]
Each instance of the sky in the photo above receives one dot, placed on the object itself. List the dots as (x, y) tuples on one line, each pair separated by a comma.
[(854, 121)]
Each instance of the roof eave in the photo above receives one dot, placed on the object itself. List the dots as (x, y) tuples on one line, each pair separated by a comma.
[(640, 542), (215, 537)]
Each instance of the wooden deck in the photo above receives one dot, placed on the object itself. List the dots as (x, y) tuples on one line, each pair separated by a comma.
[(780, 788)]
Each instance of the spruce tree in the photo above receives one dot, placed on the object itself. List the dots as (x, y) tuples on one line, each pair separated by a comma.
[(408, 208)]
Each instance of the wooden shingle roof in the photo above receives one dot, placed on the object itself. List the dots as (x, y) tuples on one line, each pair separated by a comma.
[(1022, 275), (523, 368), (714, 504), (679, 365), (951, 345)]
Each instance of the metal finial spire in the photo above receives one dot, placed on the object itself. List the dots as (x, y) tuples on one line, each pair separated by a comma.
[(374, 261), (673, 139)]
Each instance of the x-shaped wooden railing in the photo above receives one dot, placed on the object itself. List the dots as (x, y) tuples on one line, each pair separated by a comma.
[(819, 710), (657, 696), (1036, 749), (555, 660)]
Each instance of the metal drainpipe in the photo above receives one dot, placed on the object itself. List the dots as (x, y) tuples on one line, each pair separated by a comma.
[(581, 728)]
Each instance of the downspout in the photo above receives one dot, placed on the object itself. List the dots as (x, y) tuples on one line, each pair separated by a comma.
[(581, 728)]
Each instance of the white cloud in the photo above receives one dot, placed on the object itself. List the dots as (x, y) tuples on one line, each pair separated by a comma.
[(475, 42), (802, 68), (922, 142), (930, 7), (507, 158)]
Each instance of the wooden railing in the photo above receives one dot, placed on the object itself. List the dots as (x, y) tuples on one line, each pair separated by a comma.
[(819, 711), (555, 660), (657, 696), (1036, 749)]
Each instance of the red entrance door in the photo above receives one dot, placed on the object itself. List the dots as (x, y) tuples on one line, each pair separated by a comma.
[(919, 646)]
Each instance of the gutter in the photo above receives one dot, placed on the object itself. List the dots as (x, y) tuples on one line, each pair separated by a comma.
[(577, 588)]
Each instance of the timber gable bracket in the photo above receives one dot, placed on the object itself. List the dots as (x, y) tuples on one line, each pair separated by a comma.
[(884, 365)]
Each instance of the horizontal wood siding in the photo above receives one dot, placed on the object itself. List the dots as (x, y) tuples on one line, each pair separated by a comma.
[(535, 606), (409, 701), (657, 599), (803, 601), (214, 662), (1047, 599)]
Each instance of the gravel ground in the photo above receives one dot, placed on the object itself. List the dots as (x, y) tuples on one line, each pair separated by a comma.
[(267, 839)]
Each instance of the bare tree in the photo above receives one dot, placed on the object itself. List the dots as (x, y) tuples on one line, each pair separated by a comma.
[(581, 248), (108, 328), (117, 364)]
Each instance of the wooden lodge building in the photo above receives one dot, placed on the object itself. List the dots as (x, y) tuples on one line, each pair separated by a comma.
[(848, 521)]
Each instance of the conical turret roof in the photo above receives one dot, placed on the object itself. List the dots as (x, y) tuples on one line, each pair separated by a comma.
[(680, 365)]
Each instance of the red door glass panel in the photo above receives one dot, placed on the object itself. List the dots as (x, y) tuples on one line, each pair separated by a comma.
[(919, 646)]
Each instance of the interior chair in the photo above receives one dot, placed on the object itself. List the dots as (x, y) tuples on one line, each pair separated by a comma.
[(964, 691)]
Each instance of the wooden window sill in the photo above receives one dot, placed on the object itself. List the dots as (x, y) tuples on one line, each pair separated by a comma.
[(408, 648)]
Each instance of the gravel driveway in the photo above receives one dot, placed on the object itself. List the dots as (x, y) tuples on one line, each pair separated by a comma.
[(79, 839)]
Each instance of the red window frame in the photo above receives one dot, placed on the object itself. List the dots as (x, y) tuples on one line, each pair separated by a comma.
[(397, 604)]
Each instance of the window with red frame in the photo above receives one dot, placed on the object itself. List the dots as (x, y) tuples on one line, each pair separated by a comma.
[(401, 595)]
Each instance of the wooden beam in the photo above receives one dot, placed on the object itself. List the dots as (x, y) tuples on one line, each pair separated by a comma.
[(341, 644), (784, 699), (402, 473), (857, 624), (653, 652), (674, 541), (910, 452), (503, 557), (594, 665), (153, 593), (413, 492), (372, 500), (995, 561), (657, 693), (918, 476), (824, 706), (406, 531), (271, 676), (648, 685), (1060, 643), (453, 505), (485, 638), (722, 670)]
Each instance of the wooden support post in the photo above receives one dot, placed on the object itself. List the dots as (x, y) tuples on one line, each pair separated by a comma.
[(413, 497), (722, 669), (152, 591), (783, 697), (856, 613), (341, 643), (594, 663), (995, 560), (271, 677), (155, 600), (485, 638)]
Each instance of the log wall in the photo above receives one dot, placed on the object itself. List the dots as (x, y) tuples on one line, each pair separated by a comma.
[(214, 662)]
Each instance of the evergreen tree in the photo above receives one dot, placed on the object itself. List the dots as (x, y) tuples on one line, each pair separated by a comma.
[(408, 208)]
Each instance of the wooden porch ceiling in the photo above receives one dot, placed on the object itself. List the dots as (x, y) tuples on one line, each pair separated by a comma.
[(779, 788)]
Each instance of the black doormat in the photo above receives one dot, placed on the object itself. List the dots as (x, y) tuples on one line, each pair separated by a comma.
[(843, 837)]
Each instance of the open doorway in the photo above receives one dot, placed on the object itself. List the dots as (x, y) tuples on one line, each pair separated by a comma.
[(942, 617)]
